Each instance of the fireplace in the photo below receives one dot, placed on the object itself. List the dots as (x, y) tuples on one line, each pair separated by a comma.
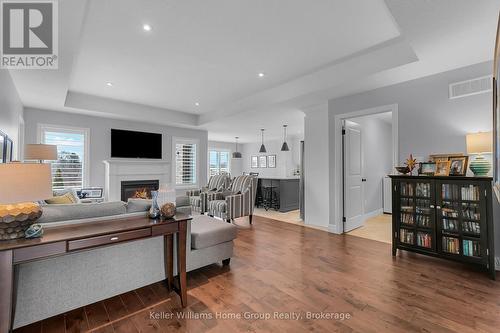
[(138, 189)]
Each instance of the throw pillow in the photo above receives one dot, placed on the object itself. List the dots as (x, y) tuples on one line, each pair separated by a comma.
[(62, 199)]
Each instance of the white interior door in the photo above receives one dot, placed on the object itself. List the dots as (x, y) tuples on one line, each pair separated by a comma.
[(353, 177)]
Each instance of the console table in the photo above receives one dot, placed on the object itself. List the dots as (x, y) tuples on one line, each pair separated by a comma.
[(62, 240)]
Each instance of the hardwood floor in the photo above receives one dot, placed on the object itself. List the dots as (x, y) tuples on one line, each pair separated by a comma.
[(285, 268), (377, 228)]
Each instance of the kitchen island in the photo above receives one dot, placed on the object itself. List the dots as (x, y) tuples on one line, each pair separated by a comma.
[(286, 192)]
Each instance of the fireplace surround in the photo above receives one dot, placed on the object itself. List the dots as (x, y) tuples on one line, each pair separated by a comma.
[(121, 170)]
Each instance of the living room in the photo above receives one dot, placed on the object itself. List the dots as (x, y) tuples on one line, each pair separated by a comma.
[(211, 166)]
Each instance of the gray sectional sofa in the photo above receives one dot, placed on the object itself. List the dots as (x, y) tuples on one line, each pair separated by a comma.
[(56, 285)]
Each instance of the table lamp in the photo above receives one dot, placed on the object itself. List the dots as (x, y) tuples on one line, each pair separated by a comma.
[(40, 152), (479, 143), (20, 185)]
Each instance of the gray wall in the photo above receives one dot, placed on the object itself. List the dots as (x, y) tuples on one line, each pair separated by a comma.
[(11, 110), (377, 158), (235, 163), (429, 122), (100, 137), (286, 161)]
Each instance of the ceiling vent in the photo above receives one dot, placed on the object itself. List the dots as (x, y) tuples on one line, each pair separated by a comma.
[(471, 87)]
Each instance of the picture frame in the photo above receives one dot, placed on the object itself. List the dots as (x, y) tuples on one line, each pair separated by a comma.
[(427, 168), (458, 165), (91, 193), (444, 157), (254, 162), (442, 168), (271, 161), (262, 161)]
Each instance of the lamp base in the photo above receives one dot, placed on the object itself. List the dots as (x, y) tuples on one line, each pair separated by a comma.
[(16, 219), (480, 166)]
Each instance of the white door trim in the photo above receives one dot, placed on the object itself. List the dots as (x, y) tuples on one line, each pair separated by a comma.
[(338, 181)]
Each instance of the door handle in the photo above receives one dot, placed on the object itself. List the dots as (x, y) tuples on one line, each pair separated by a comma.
[(363, 179)]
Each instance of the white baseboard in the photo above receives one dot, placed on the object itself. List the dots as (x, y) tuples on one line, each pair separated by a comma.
[(374, 213)]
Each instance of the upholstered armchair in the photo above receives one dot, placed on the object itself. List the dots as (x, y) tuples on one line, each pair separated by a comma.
[(238, 201), (198, 198)]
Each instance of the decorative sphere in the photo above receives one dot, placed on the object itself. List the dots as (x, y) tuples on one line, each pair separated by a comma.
[(168, 210)]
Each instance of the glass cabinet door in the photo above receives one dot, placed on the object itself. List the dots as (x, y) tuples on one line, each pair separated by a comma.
[(461, 216), (416, 213)]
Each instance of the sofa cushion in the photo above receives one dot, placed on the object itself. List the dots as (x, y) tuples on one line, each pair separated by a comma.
[(56, 213), (138, 205), (207, 231)]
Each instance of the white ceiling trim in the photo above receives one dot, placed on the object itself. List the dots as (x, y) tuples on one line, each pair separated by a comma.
[(130, 111)]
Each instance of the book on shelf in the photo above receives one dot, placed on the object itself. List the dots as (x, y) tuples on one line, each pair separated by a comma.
[(471, 227), (471, 210), (407, 218), (471, 248), (423, 189), (470, 192), (424, 240), (450, 225), (406, 236), (407, 189), (424, 221), (451, 245), (449, 192)]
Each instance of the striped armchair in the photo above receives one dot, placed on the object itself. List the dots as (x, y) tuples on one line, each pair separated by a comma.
[(239, 201), (198, 198)]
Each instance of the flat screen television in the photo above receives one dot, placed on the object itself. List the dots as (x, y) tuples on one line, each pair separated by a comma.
[(132, 144)]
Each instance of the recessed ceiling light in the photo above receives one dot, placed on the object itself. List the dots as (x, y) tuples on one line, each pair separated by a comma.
[(146, 27), (197, 104), (261, 74), (109, 84)]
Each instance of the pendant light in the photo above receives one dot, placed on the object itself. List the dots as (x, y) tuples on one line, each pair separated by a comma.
[(262, 147), (284, 147), (236, 153)]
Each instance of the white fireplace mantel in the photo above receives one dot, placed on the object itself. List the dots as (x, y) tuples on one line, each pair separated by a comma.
[(118, 170)]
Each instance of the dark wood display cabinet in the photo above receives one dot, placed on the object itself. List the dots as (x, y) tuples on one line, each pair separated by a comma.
[(446, 217)]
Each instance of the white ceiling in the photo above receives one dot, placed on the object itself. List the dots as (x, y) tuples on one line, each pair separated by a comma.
[(211, 52)]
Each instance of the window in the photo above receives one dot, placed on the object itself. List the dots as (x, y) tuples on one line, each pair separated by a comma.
[(70, 169), (218, 161), (185, 163)]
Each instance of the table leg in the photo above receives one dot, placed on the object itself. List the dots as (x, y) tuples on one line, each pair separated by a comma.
[(169, 260), (6, 291), (181, 262)]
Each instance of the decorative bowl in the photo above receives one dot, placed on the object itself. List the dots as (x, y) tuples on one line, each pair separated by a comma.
[(403, 169)]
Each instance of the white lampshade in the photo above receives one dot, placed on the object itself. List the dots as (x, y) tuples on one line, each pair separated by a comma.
[(40, 152), (23, 182), (478, 143)]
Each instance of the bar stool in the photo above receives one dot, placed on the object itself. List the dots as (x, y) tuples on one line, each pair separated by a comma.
[(270, 197)]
